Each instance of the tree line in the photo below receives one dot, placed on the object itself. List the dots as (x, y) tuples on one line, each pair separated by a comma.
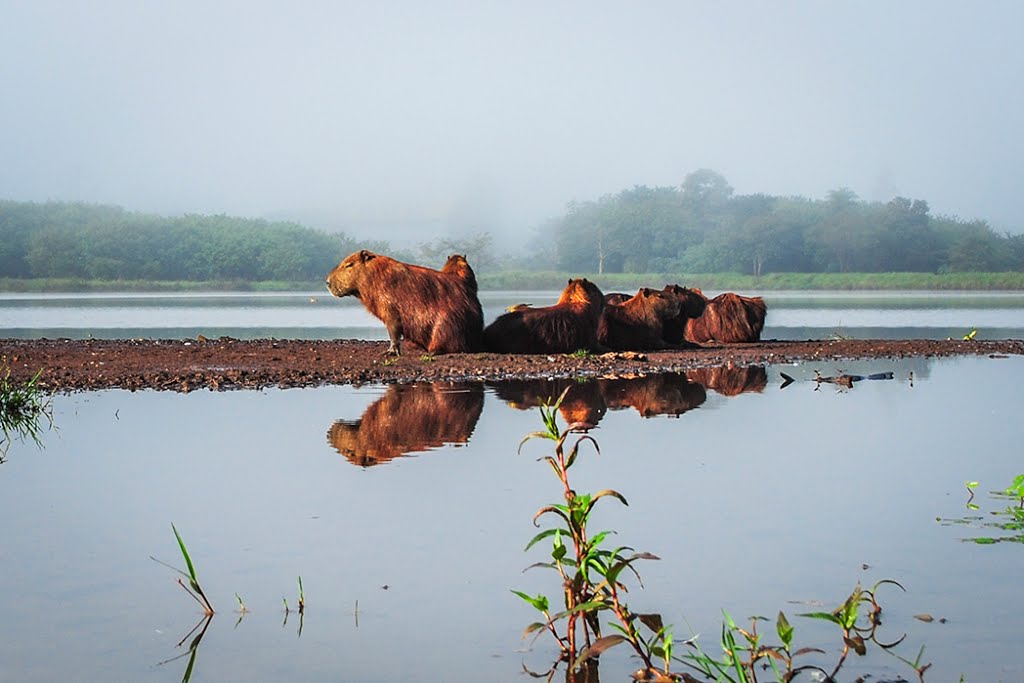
[(96, 242), (701, 226)]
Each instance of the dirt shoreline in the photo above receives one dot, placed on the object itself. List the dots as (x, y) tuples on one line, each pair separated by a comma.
[(227, 363)]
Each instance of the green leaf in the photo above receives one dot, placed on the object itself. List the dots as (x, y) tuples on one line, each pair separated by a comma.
[(826, 616), (184, 552), (540, 603), (540, 537), (784, 629)]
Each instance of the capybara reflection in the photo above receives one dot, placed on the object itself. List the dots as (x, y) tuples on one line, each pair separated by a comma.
[(731, 381), (582, 405), (439, 312), (692, 303), (729, 318), (664, 394), (569, 325), (638, 322), (409, 418)]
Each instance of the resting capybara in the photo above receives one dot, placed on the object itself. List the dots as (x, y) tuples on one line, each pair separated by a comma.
[(569, 325), (436, 311), (692, 303), (409, 418), (458, 266), (637, 323), (729, 318)]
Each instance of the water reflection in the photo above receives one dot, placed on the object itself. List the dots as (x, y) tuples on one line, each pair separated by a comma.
[(417, 417), (409, 418), (731, 381)]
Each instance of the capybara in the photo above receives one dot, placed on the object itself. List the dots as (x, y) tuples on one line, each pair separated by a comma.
[(637, 323), (569, 325), (729, 318), (458, 266), (436, 311), (692, 303), (409, 418)]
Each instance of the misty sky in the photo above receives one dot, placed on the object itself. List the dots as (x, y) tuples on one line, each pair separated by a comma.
[(390, 120)]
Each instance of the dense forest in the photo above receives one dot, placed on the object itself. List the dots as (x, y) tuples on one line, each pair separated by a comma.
[(94, 242), (703, 227), (700, 226)]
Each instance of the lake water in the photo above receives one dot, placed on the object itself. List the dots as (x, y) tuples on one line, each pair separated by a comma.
[(405, 510), (317, 315)]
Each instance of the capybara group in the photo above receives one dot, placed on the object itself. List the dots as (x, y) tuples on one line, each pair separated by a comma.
[(569, 325), (437, 311), (729, 318)]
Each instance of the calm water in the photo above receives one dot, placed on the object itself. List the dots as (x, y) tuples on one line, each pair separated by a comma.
[(317, 315), (405, 509), (408, 537)]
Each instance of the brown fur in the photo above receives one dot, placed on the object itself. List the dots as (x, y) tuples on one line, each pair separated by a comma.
[(731, 381), (569, 325), (637, 323), (436, 311), (692, 303), (458, 266), (616, 298), (661, 394), (407, 419), (729, 318)]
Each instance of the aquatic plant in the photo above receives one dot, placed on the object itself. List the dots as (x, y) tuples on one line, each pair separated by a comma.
[(744, 651), (589, 572), (590, 577), (22, 407), (1009, 519), (580, 353), (193, 589)]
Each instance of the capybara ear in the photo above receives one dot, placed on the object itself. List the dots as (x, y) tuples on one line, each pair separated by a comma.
[(646, 291), (365, 255)]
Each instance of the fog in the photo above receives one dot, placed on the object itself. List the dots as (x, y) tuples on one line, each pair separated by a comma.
[(410, 120)]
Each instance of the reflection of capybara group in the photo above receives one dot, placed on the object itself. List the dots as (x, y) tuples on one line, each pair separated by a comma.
[(585, 402), (439, 311)]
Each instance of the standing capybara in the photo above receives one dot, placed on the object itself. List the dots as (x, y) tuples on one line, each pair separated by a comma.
[(569, 325), (692, 303), (729, 318), (637, 323), (436, 311), (458, 266)]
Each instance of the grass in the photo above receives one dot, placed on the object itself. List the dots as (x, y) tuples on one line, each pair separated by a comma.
[(23, 406)]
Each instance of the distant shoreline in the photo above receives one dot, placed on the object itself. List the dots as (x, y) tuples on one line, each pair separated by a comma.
[(547, 281)]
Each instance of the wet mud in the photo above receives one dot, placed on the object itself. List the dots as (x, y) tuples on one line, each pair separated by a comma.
[(227, 363)]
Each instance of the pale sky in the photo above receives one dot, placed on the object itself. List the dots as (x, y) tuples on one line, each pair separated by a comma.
[(392, 120)]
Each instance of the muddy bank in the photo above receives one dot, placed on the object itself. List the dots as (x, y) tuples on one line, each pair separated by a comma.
[(226, 363)]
